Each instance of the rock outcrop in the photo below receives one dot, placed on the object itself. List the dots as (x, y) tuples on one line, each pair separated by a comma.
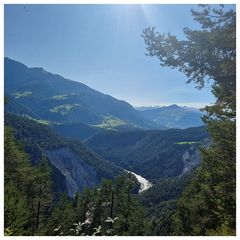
[(191, 158), (78, 174)]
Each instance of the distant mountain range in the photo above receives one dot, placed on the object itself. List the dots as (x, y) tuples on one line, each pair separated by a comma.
[(143, 108), (146, 108), (55, 100), (174, 116)]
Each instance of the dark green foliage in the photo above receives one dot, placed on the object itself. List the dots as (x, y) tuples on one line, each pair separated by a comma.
[(155, 154), (25, 201), (16, 166), (38, 138), (164, 190), (110, 206), (161, 221), (160, 202), (16, 212), (76, 130), (213, 192), (207, 53), (62, 214), (42, 195), (208, 206), (29, 209)]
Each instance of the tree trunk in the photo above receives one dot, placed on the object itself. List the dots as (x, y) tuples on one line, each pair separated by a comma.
[(128, 207), (99, 213), (111, 209), (38, 212), (37, 217)]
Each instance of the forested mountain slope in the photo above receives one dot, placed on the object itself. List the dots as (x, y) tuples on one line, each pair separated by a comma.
[(160, 202), (77, 165), (154, 154), (76, 130), (32, 209), (54, 98)]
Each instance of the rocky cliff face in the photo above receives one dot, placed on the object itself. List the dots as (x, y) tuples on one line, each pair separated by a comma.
[(78, 174), (191, 158), (74, 166)]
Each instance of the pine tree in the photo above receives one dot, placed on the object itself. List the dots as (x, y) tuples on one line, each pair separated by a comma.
[(17, 175), (207, 207), (42, 196), (62, 217), (27, 188), (16, 212)]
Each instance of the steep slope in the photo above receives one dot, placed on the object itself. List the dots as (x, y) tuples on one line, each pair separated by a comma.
[(76, 130), (15, 107), (152, 154), (160, 202), (76, 165), (83, 131), (174, 116), (54, 98)]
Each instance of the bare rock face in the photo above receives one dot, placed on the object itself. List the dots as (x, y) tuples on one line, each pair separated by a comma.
[(78, 174), (191, 158)]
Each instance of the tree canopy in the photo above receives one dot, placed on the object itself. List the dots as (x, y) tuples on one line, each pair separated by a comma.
[(208, 205)]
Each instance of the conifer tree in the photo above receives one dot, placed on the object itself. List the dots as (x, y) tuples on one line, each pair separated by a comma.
[(62, 217), (207, 207), (17, 175), (27, 188), (43, 196)]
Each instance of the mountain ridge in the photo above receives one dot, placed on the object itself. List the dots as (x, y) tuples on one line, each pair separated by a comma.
[(174, 116), (77, 165), (55, 98)]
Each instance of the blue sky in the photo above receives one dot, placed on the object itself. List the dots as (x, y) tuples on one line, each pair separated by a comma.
[(101, 46)]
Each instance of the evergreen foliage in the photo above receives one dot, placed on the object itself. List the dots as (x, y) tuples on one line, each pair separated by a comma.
[(29, 209), (154, 154), (38, 138), (160, 202), (27, 189), (208, 206), (111, 208)]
